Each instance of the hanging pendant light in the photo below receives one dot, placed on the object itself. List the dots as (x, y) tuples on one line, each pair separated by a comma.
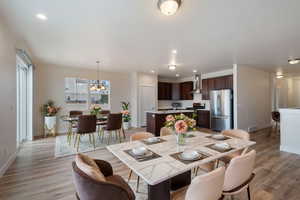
[(169, 7), (98, 86)]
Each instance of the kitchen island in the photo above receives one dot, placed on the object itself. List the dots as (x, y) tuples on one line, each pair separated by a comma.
[(156, 119), (290, 130)]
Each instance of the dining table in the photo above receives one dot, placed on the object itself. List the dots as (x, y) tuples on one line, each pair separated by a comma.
[(164, 171)]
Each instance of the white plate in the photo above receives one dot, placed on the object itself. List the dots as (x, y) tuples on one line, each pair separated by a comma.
[(138, 151), (189, 155), (153, 139), (218, 136), (223, 145)]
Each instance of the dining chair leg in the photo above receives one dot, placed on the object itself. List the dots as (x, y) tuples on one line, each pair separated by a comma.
[(130, 173), (248, 191), (137, 184), (123, 133), (102, 135), (90, 138), (232, 197), (109, 136), (75, 140), (78, 141), (119, 134), (197, 171), (93, 137)]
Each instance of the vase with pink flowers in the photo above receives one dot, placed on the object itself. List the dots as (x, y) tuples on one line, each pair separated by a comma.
[(180, 124)]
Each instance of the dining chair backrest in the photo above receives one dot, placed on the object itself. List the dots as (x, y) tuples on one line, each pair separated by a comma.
[(75, 113), (114, 121), (207, 187), (87, 124), (239, 170), (276, 116), (237, 133), (164, 131), (140, 136)]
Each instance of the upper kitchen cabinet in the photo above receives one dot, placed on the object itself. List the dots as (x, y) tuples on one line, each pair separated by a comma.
[(224, 82), (164, 91), (186, 89)]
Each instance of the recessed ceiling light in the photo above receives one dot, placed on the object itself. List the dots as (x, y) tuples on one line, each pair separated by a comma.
[(168, 7), (152, 71), (174, 51), (194, 71), (41, 16), (172, 67), (177, 75), (294, 61)]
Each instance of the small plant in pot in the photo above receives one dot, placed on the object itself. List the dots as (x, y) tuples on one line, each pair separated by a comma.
[(49, 111), (95, 110), (126, 115)]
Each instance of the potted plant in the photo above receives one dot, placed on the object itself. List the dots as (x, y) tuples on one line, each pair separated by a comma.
[(95, 110), (180, 124), (49, 111), (126, 115)]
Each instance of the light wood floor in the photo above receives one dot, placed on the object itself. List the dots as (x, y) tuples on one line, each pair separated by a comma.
[(37, 175)]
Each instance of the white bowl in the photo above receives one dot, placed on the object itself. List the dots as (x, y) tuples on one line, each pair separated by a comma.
[(189, 155), (138, 151), (218, 136), (223, 145), (153, 139)]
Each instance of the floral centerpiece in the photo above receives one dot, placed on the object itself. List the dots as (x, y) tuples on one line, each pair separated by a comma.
[(49, 111), (181, 124), (126, 114), (95, 109)]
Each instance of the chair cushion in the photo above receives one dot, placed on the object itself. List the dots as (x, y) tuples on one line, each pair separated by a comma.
[(89, 167), (118, 180)]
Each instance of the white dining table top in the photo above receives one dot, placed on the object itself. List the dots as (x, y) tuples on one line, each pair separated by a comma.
[(165, 167)]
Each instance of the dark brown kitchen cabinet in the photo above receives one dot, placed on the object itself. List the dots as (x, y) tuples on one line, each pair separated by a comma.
[(164, 91), (186, 89), (203, 118), (224, 82)]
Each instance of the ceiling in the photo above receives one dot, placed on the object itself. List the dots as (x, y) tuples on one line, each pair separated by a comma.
[(132, 35)]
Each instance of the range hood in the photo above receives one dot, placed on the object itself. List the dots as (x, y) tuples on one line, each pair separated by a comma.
[(197, 84)]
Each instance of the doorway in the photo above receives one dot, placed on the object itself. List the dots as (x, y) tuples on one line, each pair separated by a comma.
[(147, 102), (24, 101)]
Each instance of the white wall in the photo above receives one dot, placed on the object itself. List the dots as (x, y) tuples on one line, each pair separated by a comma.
[(50, 85), (8, 98), (253, 98)]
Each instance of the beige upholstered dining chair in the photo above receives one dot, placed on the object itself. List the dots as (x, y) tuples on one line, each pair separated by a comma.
[(135, 137), (207, 187), (239, 174), (235, 133), (164, 131)]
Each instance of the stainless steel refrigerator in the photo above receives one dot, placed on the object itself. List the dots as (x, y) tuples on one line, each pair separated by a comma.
[(221, 109)]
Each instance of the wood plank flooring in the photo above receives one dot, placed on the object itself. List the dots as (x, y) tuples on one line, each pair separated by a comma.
[(37, 175)]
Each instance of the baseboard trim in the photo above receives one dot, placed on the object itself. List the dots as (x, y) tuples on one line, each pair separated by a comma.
[(8, 163), (290, 149)]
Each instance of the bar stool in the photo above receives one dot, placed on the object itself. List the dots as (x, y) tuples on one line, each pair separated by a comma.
[(276, 119)]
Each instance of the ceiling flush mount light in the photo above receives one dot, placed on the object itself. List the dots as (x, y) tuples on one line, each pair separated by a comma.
[(294, 61), (177, 75), (174, 51), (41, 16), (194, 71), (168, 7), (172, 67), (98, 85), (279, 76), (152, 71)]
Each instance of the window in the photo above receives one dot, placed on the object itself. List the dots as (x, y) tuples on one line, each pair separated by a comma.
[(77, 91)]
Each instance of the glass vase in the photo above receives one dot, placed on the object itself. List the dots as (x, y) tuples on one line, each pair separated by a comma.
[(180, 137)]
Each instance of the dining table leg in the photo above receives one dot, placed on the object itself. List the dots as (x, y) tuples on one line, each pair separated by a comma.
[(159, 191), (162, 190)]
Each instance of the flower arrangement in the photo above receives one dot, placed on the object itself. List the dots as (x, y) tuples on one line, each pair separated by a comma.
[(95, 109), (180, 123), (49, 110), (125, 111)]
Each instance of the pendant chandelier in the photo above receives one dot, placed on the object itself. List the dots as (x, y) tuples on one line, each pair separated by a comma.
[(98, 85)]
